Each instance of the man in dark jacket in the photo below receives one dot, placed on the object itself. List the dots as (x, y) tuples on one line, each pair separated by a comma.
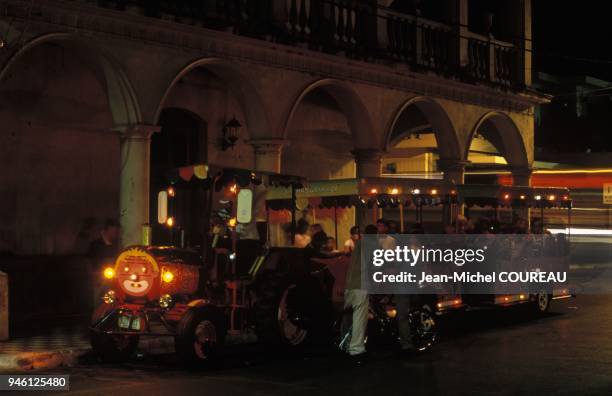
[(103, 250)]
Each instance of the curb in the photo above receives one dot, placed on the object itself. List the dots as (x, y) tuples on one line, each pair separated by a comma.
[(47, 360), (33, 361)]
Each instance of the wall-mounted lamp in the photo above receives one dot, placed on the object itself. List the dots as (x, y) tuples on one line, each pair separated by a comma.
[(230, 133)]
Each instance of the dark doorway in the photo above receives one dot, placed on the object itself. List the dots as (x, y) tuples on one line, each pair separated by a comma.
[(182, 141)]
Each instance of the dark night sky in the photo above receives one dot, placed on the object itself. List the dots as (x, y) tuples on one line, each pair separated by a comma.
[(573, 39), (565, 31)]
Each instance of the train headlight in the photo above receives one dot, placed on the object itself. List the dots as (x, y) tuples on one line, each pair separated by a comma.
[(109, 297), (109, 272), (165, 301), (167, 276)]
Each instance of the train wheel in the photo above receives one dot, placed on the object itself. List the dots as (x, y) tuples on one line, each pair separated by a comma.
[(292, 314), (113, 348), (542, 301), (200, 336), (424, 328)]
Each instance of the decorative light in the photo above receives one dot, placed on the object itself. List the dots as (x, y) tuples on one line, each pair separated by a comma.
[(229, 135), (109, 297), (522, 196), (165, 301), (234, 189), (434, 191), (232, 222), (506, 196), (374, 191), (416, 191), (143, 269), (109, 272), (551, 197), (134, 277), (170, 222), (565, 197), (171, 191), (538, 197), (167, 276), (394, 191)]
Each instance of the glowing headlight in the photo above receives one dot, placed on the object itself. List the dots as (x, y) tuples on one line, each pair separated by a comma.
[(165, 301), (109, 272), (109, 297), (167, 276)]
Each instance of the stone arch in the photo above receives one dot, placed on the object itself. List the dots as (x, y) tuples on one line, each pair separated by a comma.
[(351, 105), (121, 97), (246, 93), (508, 139), (445, 134)]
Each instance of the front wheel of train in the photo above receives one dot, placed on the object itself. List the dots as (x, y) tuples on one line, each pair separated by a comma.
[(542, 301), (112, 348), (424, 327), (200, 337), (296, 315)]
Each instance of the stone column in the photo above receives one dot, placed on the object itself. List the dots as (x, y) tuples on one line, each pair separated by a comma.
[(521, 176), (267, 154), (454, 170), (459, 17), (525, 45), (134, 181), (368, 162)]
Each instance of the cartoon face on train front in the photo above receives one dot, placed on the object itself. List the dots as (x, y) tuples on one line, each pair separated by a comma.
[(136, 274)]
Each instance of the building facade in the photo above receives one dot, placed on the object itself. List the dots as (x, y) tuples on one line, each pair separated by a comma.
[(99, 98)]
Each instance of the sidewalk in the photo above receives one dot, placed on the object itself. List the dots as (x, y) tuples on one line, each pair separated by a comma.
[(61, 346)]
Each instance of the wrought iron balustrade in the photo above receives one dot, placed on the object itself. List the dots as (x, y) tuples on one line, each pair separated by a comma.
[(355, 28)]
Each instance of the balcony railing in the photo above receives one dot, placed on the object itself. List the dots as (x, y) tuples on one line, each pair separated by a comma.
[(492, 60), (349, 27)]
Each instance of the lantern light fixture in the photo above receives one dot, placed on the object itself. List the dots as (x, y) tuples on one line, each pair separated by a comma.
[(230, 133)]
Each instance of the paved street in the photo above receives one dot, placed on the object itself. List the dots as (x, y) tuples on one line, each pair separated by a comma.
[(568, 352)]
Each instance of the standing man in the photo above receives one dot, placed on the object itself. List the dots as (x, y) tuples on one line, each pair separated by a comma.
[(357, 299), (103, 250), (403, 301), (349, 245), (385, 240), (107, 244)]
